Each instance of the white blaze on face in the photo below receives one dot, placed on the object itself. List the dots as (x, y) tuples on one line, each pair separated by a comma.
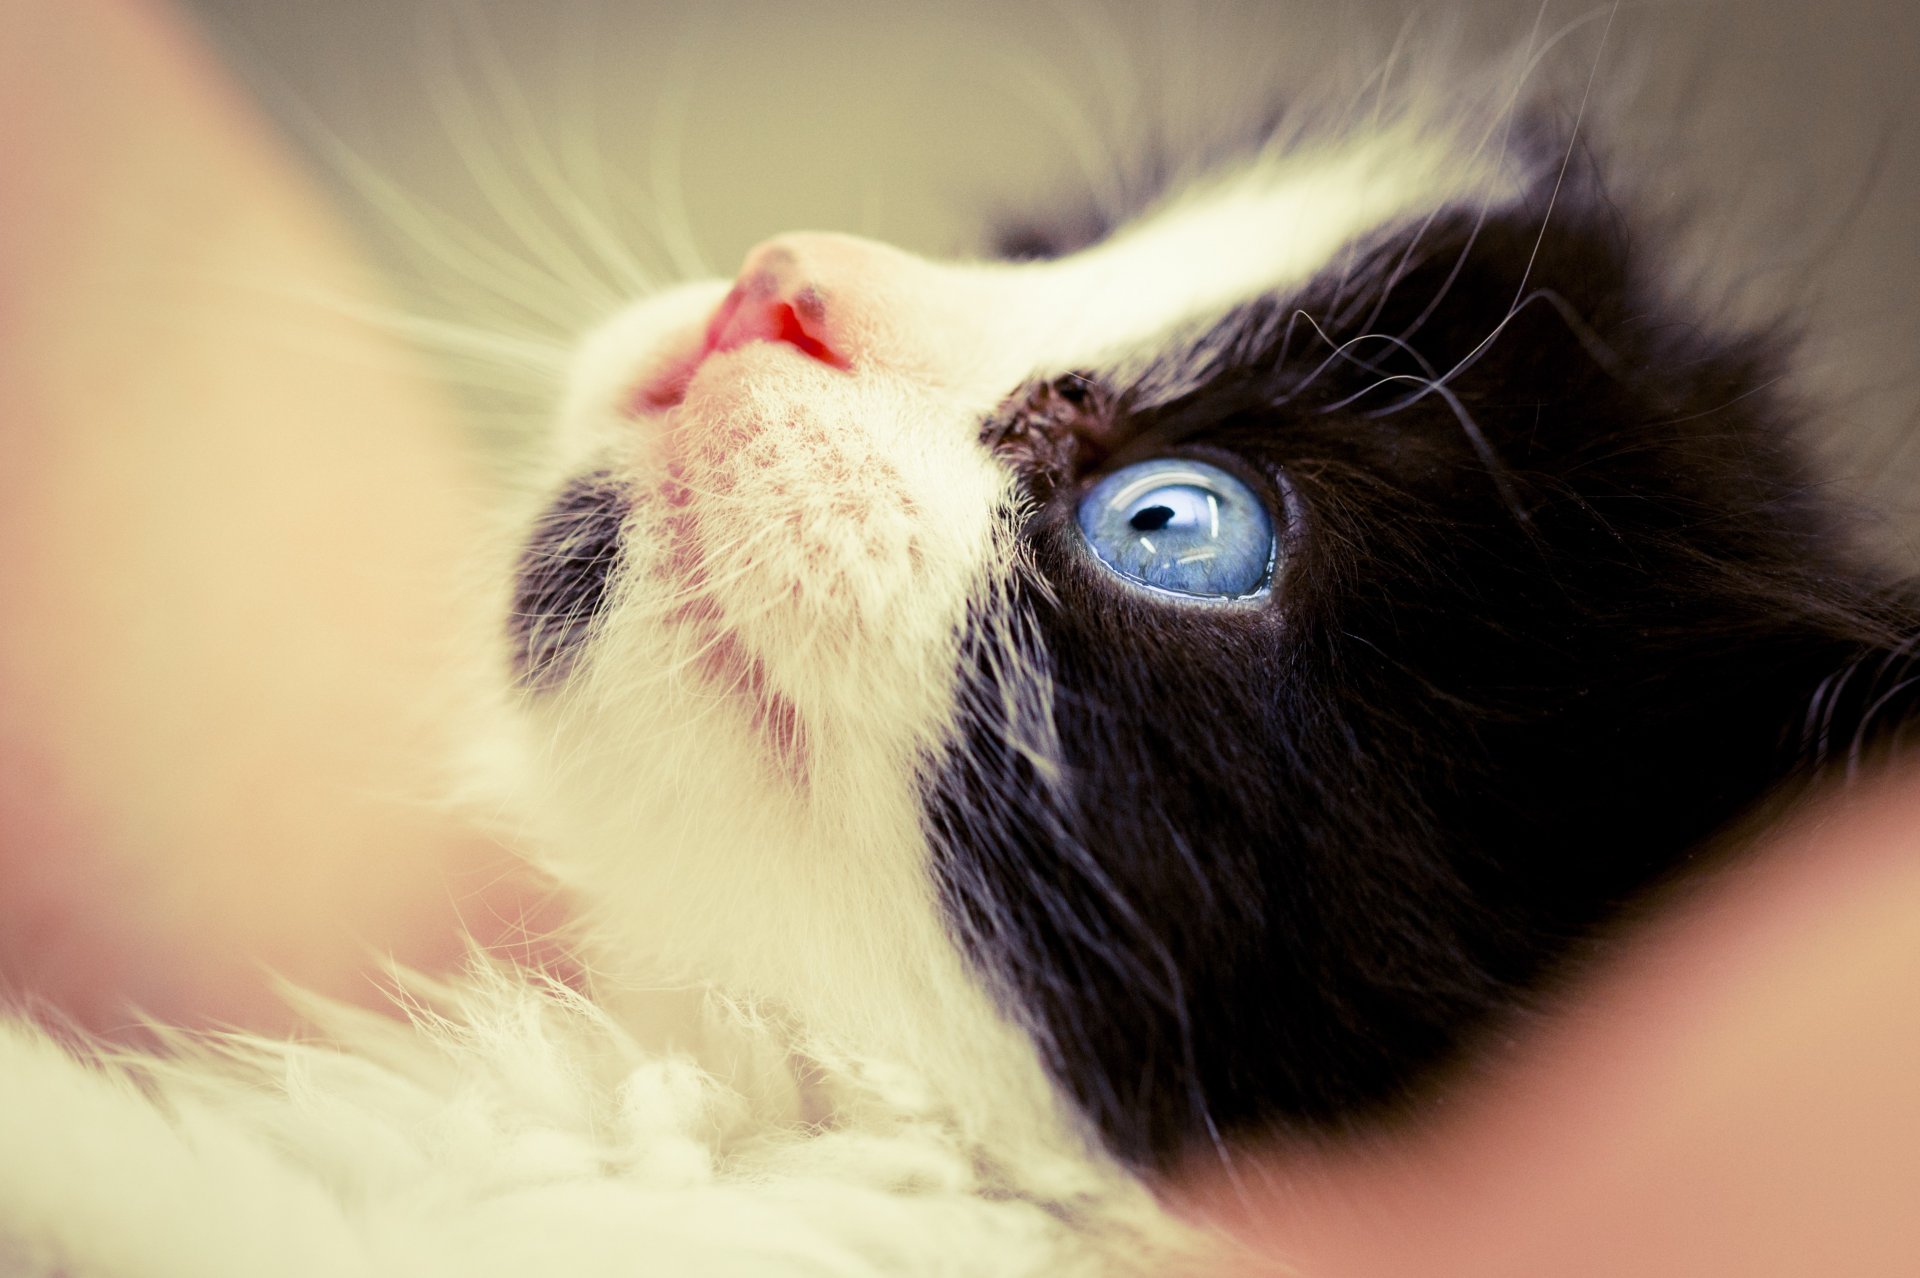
[(730, 775)]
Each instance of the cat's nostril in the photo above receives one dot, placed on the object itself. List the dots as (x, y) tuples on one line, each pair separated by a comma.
[(769, 304), (848, 303)]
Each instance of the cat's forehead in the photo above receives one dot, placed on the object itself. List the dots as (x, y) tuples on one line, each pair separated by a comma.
[(1269, 224)]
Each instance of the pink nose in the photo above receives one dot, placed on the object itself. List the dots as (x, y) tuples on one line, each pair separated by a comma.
[(805, 290)]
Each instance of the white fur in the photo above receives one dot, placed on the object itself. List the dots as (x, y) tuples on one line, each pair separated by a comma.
[(513, 1130), (804, 537)]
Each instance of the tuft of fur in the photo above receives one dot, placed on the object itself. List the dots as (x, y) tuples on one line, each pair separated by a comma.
[(515, 1127)]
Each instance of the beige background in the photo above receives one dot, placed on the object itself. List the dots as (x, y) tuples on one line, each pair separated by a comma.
[(694, 129)]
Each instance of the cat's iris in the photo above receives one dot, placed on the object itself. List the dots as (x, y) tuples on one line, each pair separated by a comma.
[(1182, 526)]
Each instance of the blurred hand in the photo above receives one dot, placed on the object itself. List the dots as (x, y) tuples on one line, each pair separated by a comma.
[(1738, 1094), (230, 520)]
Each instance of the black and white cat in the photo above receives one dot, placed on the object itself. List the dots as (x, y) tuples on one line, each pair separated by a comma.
[(1058, 715)]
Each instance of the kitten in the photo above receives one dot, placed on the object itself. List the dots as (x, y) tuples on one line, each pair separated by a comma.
[(1216, 669), (1173, 685)]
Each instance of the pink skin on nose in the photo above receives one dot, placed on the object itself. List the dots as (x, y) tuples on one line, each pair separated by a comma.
[(782, 296), (775, 299), (758, 309)]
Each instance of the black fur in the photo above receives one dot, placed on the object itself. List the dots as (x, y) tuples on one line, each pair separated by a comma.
[(1538, 632), (560, 582)]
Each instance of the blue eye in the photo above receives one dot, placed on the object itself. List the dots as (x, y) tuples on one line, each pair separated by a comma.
[(1182, 526)]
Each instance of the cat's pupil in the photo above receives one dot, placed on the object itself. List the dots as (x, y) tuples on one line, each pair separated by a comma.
[(1150, 518)]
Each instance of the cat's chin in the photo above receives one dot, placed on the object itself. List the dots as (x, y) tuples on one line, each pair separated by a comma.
[(737, 626)]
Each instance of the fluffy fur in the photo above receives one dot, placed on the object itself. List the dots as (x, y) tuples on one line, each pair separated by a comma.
[(515, 1128), (1011, 886)]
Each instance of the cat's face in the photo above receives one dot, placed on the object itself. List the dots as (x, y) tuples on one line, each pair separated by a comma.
[(1191, 678)]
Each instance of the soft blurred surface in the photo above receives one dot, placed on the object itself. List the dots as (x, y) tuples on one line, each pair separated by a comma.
[(231, 520), (1736, 1097)]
